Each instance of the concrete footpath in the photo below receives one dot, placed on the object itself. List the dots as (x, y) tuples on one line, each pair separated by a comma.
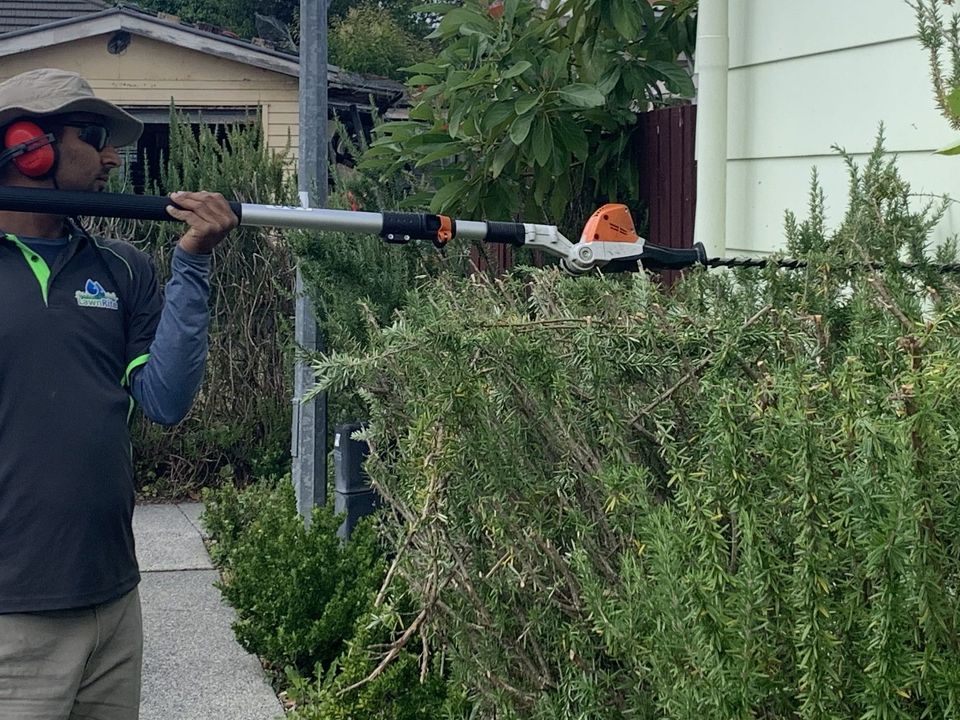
[(193, 668)]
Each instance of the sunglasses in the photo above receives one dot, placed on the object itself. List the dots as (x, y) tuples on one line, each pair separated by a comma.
[(92, 134)]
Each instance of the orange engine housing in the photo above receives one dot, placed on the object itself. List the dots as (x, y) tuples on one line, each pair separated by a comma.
[(611, 223)]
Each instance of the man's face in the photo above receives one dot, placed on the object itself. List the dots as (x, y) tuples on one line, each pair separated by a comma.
[(86, 155)]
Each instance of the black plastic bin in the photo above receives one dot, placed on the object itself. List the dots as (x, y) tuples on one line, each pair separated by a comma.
[(352, 492)]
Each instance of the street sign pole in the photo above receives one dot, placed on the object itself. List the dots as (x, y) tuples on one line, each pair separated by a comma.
[(309, 432)]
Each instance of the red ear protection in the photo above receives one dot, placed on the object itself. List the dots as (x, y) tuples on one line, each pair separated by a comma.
[(32, 150)]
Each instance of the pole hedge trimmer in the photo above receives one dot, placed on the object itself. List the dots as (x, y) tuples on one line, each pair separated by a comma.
[(609, 241)]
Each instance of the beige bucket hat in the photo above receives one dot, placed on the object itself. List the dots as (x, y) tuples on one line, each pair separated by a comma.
[(49, 91)]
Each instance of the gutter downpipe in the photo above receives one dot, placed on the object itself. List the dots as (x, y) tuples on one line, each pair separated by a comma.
[(712, 63)]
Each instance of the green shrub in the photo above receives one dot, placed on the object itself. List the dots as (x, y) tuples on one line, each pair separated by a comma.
[(402, 691), (297, 591), (301, 598), (739, 500), (353, 278), (229, 512)]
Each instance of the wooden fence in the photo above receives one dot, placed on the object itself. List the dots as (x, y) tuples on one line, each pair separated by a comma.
[(668, 174)]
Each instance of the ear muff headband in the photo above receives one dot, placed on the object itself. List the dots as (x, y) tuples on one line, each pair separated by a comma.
[(32, 150)]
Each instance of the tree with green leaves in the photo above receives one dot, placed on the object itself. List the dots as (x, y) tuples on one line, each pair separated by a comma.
[(531, 109), (405, 12), (240, 16), (369, 40), (376, 38)]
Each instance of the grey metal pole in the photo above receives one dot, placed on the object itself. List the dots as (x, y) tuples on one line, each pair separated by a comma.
[(309, 432)]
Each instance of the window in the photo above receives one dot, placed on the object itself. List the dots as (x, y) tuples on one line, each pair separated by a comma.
[(141, 164)]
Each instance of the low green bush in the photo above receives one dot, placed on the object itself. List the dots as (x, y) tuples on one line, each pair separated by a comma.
[(228, 512), (353, 687), (738, 500), (297, 590), (305, 604)]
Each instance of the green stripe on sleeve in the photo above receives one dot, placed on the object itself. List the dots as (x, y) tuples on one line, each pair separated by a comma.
[(134, 364)]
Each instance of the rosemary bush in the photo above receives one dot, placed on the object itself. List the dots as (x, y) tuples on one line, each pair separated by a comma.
[(239, 427), (739, 500), (359, 281), (940, 37)]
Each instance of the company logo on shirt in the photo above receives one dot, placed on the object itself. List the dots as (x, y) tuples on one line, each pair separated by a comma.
[(93, 295)]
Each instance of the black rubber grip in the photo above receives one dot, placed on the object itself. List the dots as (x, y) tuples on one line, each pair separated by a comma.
[(505, 232), (655, 257), (401, 227), (90, 204)]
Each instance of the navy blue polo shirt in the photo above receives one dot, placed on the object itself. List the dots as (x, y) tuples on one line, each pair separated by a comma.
[(70, 334)]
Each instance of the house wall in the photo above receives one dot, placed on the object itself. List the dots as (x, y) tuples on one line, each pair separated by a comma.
[(149, 73), (805, 76)]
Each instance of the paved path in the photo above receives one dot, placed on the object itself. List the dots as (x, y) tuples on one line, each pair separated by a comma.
[(193, 668)]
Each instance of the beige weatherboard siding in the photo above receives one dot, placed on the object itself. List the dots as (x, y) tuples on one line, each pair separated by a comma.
[(149, 72), (808, 75)]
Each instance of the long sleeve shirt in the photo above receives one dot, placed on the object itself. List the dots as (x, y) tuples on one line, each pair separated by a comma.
[(167, 383), (86, 331)]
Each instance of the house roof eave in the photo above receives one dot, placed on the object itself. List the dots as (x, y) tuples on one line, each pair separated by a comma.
[(123, 19), (117, 19)]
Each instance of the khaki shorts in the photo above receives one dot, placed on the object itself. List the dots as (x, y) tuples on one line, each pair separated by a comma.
[(72, 664)]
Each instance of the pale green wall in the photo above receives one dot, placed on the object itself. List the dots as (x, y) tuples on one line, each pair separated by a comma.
[(808, 75)]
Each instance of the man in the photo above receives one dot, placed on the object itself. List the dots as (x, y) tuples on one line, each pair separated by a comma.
[(84, 331)]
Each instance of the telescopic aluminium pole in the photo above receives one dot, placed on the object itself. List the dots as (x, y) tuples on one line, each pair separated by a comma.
[(608, 241), (398, 227)]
